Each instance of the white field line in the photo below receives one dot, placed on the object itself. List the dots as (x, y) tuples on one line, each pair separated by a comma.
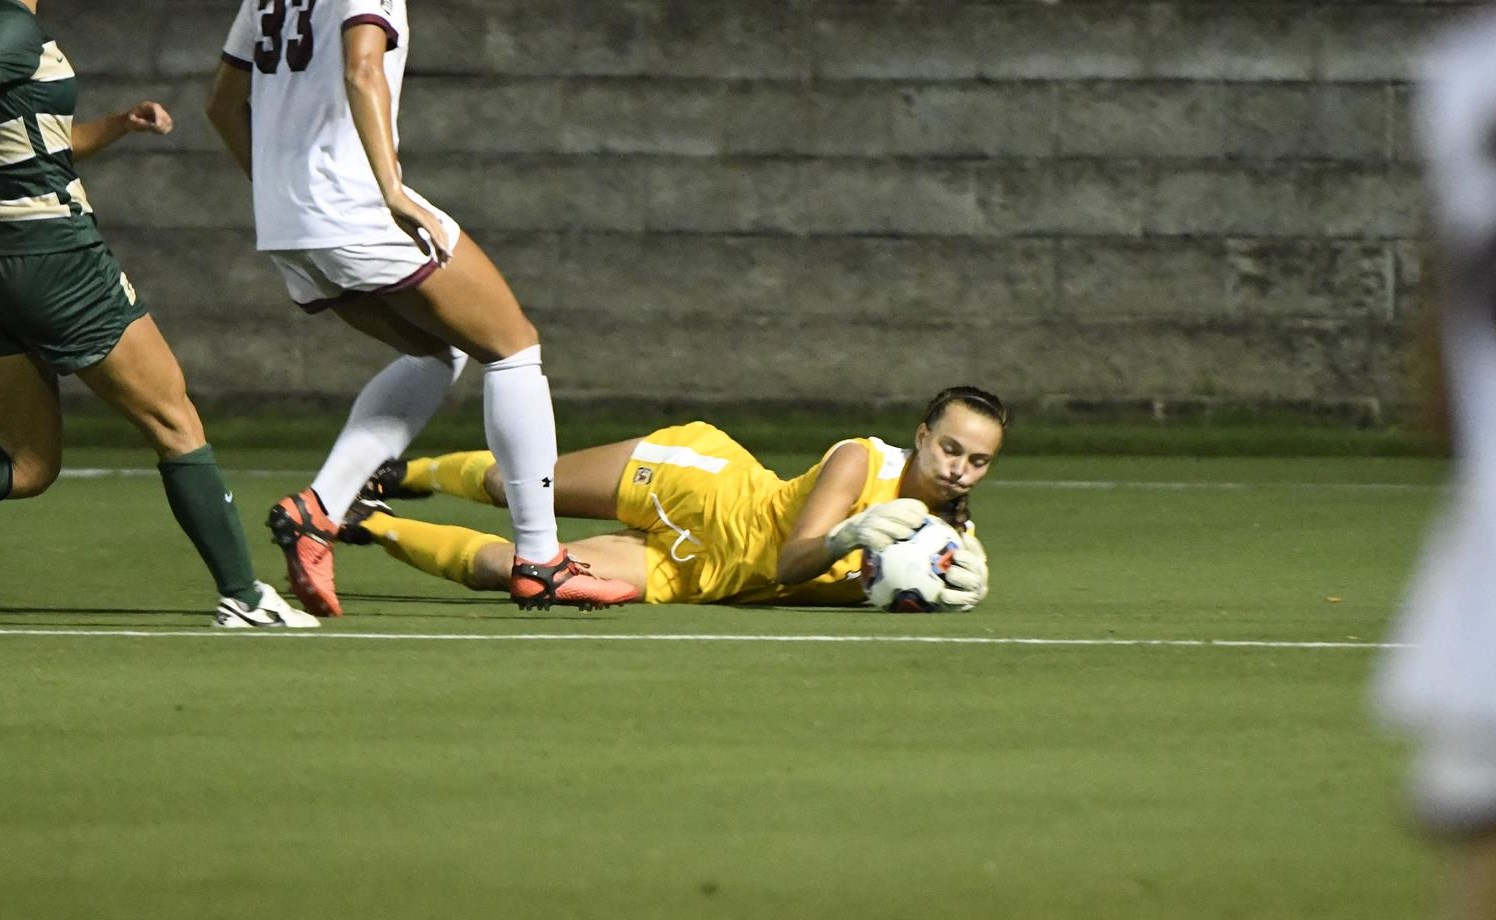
[(91, 472), (1098, 485), (208, 632)]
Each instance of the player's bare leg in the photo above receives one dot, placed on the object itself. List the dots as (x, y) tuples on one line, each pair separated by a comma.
[(392, 407), (586, 480), (619, 556), (30, 427), (469, 305), (140, 377), (375, 317)]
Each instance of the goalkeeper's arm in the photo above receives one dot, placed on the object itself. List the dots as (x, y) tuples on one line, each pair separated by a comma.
[(826, 530)]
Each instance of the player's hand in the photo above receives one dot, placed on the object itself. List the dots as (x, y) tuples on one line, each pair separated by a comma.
[(148, 116), (422, 226), (878, 527), (966, 579)]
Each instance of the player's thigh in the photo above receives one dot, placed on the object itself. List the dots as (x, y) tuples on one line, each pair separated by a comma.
[(621, 556), (371, 315), (469, 305), (586, 481), (142, 380), (30, 423), (350, 281)]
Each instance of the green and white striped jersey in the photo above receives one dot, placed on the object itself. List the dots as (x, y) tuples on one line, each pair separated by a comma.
[(42, 204)]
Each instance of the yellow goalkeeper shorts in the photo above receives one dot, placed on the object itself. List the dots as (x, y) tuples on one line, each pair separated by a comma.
[(694, 491)]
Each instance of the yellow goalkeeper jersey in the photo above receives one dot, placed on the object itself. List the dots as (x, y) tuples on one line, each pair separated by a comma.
[(717, 519)]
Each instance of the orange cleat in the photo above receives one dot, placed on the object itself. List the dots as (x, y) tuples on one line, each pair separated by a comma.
[(304, 532), (565, 581)]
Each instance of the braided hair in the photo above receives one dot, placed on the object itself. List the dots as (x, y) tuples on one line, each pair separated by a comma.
[(956, 512)]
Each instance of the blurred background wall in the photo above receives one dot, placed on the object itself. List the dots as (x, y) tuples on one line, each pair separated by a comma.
[(727, 200)]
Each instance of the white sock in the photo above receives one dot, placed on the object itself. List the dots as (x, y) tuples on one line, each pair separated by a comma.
[(391, 409), (521, 432)]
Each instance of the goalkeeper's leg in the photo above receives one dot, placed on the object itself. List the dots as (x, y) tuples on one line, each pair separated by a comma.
[(614, 556), (586, 480), (460, 474), (481, 561)]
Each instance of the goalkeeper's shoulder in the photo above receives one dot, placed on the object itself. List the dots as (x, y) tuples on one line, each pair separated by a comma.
[(844, 463), (847, 449)]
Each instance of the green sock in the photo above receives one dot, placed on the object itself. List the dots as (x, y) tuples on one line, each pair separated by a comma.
[(204, 507), (5, 475)]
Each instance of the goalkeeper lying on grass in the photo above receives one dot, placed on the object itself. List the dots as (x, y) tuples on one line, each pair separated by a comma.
[(709, 524)]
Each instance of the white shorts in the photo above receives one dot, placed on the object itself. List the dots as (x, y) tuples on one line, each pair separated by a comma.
[(320, 278)]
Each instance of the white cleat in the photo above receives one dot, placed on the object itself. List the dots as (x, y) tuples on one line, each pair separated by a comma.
[(272, 611)]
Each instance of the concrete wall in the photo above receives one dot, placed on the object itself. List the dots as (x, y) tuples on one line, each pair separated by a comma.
[(780, 199)]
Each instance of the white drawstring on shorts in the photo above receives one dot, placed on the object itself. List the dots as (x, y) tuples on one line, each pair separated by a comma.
[(684, 533)]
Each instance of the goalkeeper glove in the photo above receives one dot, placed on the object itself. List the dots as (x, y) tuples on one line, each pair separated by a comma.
[(878, 527), (966, 579)]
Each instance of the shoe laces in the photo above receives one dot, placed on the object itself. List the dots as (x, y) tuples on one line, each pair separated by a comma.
[(568, 569)]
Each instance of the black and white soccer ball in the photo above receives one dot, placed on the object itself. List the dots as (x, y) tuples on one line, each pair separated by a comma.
[(908, 576)]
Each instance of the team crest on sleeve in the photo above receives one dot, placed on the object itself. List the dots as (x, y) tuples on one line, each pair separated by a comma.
[(127, 287), (643, 475)]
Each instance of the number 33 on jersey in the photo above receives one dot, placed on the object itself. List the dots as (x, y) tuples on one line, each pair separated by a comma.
[(297, 45), (305, 146)]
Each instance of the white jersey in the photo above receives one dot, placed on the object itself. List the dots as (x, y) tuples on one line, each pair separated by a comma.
[(313, 186), (1442, 684)]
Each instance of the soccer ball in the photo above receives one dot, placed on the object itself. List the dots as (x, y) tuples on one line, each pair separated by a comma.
[(907, 576)]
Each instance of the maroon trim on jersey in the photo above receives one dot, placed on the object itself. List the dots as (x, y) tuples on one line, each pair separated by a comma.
[(410, 280), (236, 63), (392, 38), (317, 306)]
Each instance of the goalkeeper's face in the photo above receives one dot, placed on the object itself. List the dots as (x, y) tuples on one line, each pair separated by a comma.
[(954, 452)]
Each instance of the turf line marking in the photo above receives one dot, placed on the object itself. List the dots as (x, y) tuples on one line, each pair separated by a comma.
[(92, 472), (1098, 485), (208, 632)]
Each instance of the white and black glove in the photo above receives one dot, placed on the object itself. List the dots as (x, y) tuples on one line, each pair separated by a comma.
[(878, 527), (966, 579)]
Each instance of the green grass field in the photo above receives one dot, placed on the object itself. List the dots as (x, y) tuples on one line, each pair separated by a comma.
[(437, 753)]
